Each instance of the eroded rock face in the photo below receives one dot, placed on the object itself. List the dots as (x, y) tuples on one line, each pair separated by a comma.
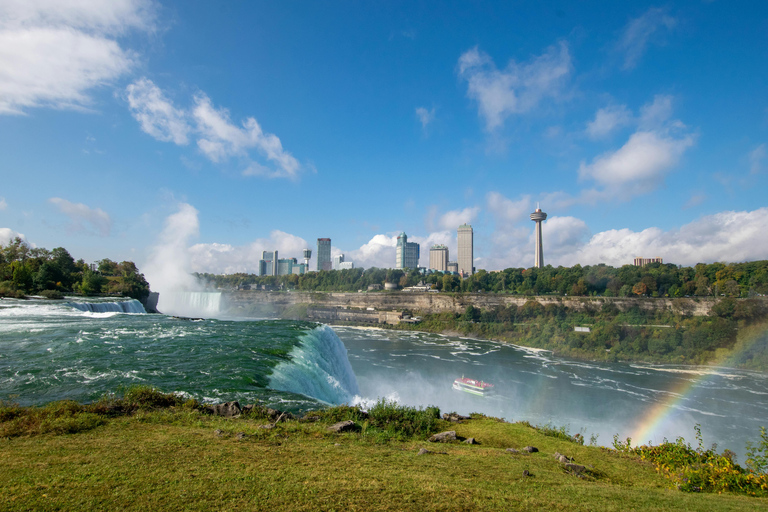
[(576, 468), (454, 417), (470, 440), (227, 409), (443, 437), (512, 451), (342, 426), (530, 449)]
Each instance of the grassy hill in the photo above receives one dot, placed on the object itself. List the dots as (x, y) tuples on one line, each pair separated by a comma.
[(149, 451)]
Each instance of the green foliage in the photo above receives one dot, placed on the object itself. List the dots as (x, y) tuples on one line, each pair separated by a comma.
[(52, 294), (698, 469), (757, 455), (148, 397), (403, 421), (561, 432)]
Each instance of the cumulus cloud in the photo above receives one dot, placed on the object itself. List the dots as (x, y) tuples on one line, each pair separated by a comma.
[(83, 218), (219, 258), (607, 120), (216, 136), (756, 157), (425, 116), (640, 32), (52, 53), (155, 113), (641, 163), (518, 88), (7, 234), (506, 211), (451, 220), (3, 204), (379, 252)]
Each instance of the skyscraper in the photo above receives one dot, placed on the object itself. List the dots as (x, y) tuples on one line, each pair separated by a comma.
[(466, 257), (324, 254), (407, 253), (438, 258), (538, 216)]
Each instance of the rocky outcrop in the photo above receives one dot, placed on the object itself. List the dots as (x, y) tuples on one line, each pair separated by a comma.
[(227, 409), (343, 426), (443, 437)]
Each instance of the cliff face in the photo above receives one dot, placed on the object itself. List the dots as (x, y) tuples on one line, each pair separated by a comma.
[(275, 303)]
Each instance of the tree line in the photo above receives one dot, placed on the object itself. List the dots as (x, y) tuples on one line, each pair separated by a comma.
[(654, 280), (26, 270)]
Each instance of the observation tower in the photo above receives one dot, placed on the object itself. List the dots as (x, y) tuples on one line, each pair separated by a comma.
[(307, 256), (537, 217)]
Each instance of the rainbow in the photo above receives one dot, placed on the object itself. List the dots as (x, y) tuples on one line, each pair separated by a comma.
[(659, 416)]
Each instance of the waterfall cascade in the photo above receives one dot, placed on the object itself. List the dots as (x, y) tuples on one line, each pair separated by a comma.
[(190, 304), (123, 306), (319, 368)]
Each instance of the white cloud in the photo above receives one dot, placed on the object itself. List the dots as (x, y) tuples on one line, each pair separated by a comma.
[(451, 220), (653, 115), (642, 161), (7, 234), (641, 31), (220, 139), (725, 236), (156, 114), (83, 218), (756, 157), (3, 204), (505, 211), (517, 89), (379, 252), (229, 259), (425, 116), (53, 52), (217, 138), (607, 120)]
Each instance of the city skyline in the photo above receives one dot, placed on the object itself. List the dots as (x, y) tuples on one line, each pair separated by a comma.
[(226, 130)]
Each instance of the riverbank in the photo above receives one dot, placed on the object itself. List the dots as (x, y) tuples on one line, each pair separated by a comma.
[(176, 456)]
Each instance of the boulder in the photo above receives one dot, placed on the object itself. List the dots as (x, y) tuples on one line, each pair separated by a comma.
[(227, 409), (576, 468), (562, 458), (241, 435), (443, 437), (342, 426), (512, 451), (218, 432), (526, 473), (454, 417), (530, 449), (423, 451), (470, 440)]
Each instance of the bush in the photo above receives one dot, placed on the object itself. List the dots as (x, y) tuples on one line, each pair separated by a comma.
[(52, 294), (147, 397), (404, 421)]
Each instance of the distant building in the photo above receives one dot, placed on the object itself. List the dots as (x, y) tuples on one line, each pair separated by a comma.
[(641, 262), (300, 269), (466, 257), (337, 261), (266, 263), (438, 258), (324, 254), (307, 256), (346, 265), (285, 266), (453, 267), (407, 255)]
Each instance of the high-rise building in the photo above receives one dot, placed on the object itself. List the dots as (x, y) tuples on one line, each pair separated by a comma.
[(466, 257), (337, 261), (407, 253), (453, 267), (538, 217), (266, 263), (324, 254), (285, 266), (346, 265), (438, 258), (641, 262)]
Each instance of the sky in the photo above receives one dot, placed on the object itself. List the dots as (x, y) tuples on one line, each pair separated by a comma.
[(207, 132)]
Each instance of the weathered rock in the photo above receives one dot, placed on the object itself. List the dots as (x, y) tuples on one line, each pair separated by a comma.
[(454, 417), (227, 409), (342, 426), (268, 426), (562, 458), (423, 451), (470, 440), (241, 435), (443, 437), (526, 473), (513, 451), (530, 449), (218, 432), (576, 468), (311, 419)]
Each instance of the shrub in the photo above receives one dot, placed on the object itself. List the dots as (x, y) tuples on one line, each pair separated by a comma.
[(402, 420), (147, 397), (52, 294)]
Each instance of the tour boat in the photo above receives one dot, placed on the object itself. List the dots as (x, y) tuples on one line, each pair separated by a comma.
[(476, 387)]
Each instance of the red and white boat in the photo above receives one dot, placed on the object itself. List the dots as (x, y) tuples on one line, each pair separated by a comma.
[(476, 387)]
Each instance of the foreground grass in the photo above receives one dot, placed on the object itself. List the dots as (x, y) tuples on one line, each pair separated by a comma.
[(173, 458)]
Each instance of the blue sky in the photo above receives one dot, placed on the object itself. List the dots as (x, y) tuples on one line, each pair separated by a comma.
[(207, 132)]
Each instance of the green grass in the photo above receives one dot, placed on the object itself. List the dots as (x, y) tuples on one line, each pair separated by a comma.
[(172, 458)]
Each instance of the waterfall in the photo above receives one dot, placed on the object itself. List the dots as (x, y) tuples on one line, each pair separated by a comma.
[(318, 368), (123, 306), (190, 304)]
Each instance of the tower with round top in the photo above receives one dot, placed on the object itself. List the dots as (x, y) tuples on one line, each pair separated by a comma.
[(537, 217)]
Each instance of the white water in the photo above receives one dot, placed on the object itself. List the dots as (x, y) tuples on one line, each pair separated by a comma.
[(319, 367), (125, 306), (190, 304)]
